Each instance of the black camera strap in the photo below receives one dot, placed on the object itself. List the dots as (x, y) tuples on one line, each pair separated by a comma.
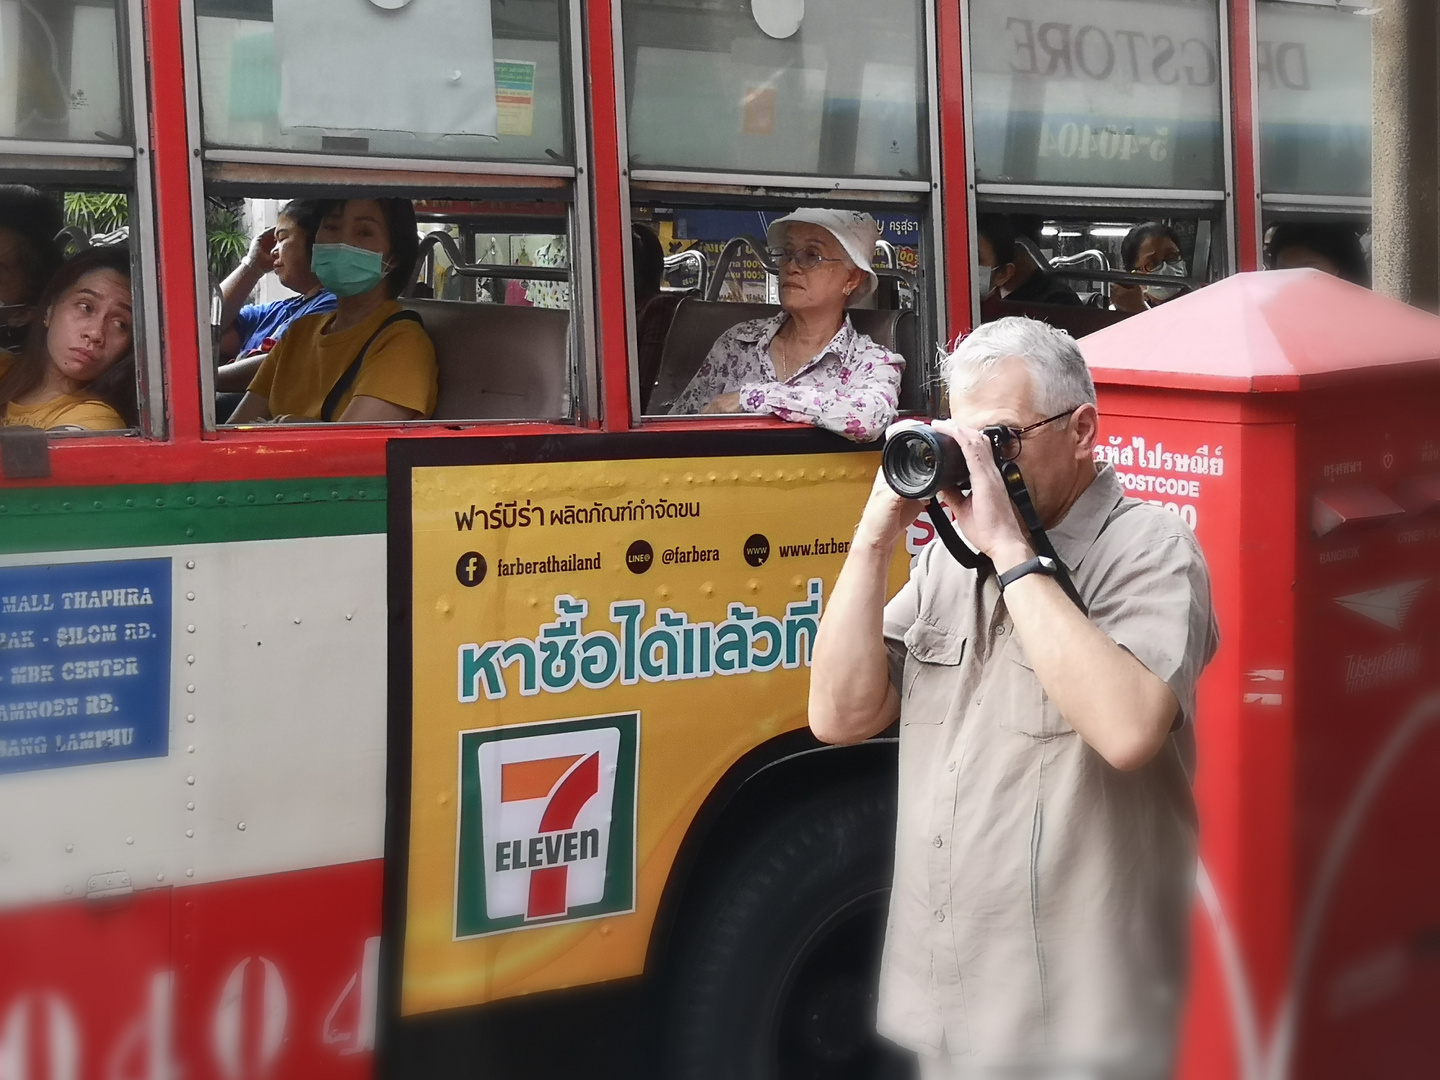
[(974, 560)]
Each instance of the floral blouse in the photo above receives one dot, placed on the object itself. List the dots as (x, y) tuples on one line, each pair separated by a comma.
[(851, 388)]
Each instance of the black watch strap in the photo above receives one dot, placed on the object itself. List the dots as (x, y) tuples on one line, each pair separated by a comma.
[(1041, 564)]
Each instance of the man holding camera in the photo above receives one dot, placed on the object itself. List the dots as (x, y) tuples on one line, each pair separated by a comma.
[(1045, 847)]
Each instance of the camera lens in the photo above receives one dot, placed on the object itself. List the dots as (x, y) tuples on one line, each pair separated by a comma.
[(920, 461)]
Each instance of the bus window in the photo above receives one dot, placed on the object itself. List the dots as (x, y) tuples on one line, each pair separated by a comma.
[(834, 97), (721, 274), (1313, 72), (478, 328), (453, 80), (460, 114), (1076, 268), (61, 76), (1095, 93), (832, 89), (75, 246)]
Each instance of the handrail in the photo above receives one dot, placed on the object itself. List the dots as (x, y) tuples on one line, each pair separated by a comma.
[(727, 256), (695, 256), (887, 249), (446, 243)]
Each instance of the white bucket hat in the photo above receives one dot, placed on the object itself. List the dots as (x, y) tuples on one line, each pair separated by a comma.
[(855, 230)]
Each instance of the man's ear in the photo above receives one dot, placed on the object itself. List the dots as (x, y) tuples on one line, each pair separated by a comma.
[(1003, 275), (1085, 425)]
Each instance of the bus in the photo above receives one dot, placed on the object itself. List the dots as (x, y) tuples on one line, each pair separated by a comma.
[(210, 850)]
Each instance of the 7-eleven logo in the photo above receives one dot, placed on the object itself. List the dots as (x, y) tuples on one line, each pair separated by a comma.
[(547, 823)]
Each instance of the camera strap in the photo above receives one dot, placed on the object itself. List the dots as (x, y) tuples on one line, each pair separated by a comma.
[(974, 560)]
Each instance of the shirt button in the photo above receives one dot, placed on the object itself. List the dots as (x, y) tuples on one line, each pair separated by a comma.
[(939, 916), (951, 766), (938, 841), (999, 630)]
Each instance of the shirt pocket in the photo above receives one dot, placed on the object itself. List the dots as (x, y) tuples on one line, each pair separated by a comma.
[(1022, 702), (932, 672)]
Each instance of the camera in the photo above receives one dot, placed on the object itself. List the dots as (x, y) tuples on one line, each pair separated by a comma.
[(919, 461)]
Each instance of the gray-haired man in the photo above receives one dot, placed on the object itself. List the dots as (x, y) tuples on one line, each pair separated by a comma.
[(1046, 840)]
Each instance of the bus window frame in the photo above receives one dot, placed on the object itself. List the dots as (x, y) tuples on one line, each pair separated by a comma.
[(128, 163), (1160, 199), (934, 308), (352, 172)]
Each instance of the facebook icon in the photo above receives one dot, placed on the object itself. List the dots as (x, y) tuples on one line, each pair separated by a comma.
[(470, 569)]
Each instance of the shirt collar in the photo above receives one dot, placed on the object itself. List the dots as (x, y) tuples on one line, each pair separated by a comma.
[(1080, 528), (840, 345)]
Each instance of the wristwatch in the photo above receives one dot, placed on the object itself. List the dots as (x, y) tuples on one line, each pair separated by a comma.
[(1041, 564)]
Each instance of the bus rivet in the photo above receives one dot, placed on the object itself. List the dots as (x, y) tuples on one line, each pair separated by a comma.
[(189, 564), (129, 839), (190, 749), (160, 876), (349, 616), (191, 658), (68, 890), (69, 848), (297, 620), (190, 780), (190, 689), (189, 873), (189, 596), (190, 629), (189, 806), (190, 719), (240, 825), (190, 833)]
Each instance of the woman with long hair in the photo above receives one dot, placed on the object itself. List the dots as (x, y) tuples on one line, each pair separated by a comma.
[(77, 369)]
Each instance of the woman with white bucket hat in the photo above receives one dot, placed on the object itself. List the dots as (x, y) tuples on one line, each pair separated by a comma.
[(808, 364)]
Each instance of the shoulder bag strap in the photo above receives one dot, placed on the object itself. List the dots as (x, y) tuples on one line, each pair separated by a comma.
[(347, 379)]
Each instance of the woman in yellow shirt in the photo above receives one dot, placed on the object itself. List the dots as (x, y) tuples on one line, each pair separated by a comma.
[(76, 370), (367, 361)]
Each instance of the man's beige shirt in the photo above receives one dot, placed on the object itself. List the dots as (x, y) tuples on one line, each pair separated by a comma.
[(1041, 896)]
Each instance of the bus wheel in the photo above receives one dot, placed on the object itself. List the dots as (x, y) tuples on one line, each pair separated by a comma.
[(774, 977)]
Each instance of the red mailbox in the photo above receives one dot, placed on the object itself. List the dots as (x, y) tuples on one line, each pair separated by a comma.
[(1294, 421)]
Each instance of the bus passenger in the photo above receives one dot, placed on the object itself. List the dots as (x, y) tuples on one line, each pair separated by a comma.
[(1330, 246), (369, 361), (77, 370), (248, 329), (808, 364), (1151, 248), (1008, 270), (29, 255)]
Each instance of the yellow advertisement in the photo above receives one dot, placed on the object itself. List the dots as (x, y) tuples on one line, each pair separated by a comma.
[(593, 645)]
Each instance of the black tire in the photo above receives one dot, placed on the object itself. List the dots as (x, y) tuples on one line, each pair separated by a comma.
[(775, 971)]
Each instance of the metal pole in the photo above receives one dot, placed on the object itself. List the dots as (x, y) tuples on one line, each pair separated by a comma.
[(1406, 251)]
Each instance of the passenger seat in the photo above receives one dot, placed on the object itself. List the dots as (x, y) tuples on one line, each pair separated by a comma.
[(698, 323), (497, 361)]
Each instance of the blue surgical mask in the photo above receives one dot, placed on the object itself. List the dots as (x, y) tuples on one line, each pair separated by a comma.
[(346, 270)]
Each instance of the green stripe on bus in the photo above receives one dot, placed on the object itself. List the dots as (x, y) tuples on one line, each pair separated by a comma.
[(139, 515)]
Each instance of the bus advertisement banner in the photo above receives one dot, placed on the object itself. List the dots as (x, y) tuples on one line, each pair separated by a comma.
[(587, 634)]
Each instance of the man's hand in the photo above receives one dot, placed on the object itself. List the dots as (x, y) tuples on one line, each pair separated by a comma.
[(988, 518), (1129, 298), (886, 516), (724, 403), (261, 255)]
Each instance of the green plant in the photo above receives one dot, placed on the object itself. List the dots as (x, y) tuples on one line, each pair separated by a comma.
[(97, 212), (225, 238)]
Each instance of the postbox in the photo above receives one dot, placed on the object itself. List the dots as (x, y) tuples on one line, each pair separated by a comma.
[(1293, 420)]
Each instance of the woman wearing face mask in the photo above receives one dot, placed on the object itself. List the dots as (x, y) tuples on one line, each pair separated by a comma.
[(76, 371), (370, 361), (1151, 248)]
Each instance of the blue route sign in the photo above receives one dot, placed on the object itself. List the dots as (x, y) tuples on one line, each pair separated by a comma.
[(84, 663)]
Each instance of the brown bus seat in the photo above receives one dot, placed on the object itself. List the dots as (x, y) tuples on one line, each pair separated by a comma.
[(1075, 320), (497, 361), (698, 323)]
